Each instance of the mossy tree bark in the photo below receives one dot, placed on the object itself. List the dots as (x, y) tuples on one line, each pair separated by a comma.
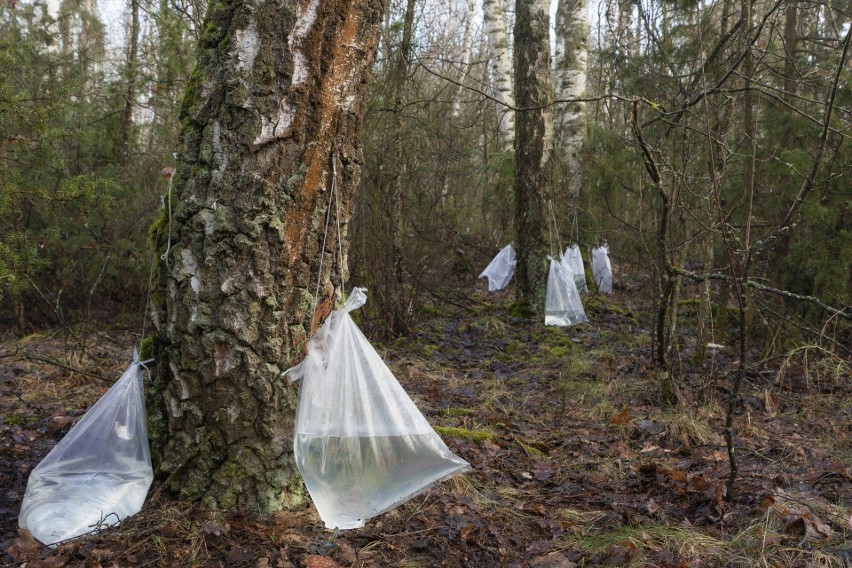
[(273, 108), (533, 150)]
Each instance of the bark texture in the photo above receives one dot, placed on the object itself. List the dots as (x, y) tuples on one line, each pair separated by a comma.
[(533, 150), (274, 106), (500, 69), (570, 69)]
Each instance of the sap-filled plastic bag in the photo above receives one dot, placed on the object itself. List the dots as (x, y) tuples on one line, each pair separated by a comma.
[(563, 305), (361, 444), (574, 260), (99, 473), (500, 270), (602, 269)]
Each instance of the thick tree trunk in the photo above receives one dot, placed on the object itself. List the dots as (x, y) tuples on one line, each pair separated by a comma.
[(272, 110), (500, 66), (533, 150), (571, 65)]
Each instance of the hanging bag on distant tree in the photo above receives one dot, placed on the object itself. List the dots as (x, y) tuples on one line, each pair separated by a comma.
[(563, 306), (602, 269), (361, 444), (99, 473), (500, 270), (574, 260)]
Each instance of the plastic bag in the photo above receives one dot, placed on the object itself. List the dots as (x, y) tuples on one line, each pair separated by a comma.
[(563, 305), (602, 269), (500, 270), (99, 473), (361, 444), (574, 260)]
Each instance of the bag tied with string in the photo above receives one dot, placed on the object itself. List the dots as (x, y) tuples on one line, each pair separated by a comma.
[(602, 269), (501, 269), (573, 261), (563, 306), (361, 444), (99, 473)]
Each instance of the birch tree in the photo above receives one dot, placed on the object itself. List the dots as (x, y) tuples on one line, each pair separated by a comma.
[(270, 148), (533, 149), (500, 64), (571, 55)]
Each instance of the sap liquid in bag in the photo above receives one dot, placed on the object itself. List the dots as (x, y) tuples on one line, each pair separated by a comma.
[(500, 270), (99, 473), (602, 269), (575, 261), (563, 306), (361, 444)]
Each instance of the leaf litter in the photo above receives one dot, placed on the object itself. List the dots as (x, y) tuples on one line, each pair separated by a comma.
[(576, 461)]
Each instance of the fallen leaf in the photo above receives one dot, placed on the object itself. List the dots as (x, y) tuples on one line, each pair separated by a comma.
[(772, 402), (316, 561), (215, 528), (620, 417), (49, 562), (552, 560), (25, 547)]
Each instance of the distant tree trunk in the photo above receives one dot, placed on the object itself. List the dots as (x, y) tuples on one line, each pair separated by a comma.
[(500, 65), (130, 92), (464, 63), (791, 37), (533, 150), (571, 65), (395, 296), (273, 108)]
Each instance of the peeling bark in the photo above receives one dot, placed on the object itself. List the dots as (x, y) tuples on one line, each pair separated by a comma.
[(273, 106)]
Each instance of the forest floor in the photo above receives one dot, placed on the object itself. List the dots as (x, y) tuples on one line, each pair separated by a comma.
[(576, 462)]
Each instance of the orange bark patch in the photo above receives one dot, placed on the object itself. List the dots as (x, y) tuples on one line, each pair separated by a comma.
[(336, 82)]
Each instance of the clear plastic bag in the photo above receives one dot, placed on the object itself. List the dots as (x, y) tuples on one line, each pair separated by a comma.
[(563, 305), (500, 270), (574, 260), (99, 473), (602, 269), (361, 444)]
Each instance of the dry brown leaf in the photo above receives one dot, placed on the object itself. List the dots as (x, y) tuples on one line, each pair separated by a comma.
[(772, 402), (317, 561), (25, 547), (620, 417)]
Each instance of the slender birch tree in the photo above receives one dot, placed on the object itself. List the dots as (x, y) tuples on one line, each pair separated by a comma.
[(500, 66), (570, 70)]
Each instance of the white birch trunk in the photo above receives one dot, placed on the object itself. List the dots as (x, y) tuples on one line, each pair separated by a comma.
[(571, 63), (500, 68), (467, 46)]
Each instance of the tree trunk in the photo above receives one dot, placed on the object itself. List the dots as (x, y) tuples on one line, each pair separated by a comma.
[(464, 64), (572, 49), (500, 65), (791, 37), (396, 298), (130, 93), (273, 108), (533, 150)]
